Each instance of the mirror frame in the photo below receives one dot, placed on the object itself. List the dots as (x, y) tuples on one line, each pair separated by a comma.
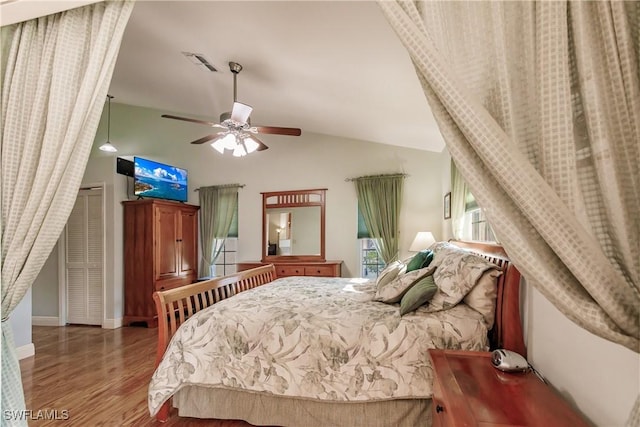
[(293, 199)]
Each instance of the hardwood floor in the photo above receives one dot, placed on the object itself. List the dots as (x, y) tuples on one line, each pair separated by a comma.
[(98, 376)]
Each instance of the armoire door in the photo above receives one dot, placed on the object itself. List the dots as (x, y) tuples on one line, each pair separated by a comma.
[(188, 257), (166, 242), (84, 259)]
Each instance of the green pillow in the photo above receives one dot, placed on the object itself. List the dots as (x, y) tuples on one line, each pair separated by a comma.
[(421, 260), (419, 294)]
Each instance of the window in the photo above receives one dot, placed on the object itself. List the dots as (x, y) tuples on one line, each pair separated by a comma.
[(476, 226), (227, 259), (370, 260), (479, 228), (371, 263)]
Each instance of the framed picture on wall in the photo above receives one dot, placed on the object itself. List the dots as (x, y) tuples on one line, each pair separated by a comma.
[(447, 205)]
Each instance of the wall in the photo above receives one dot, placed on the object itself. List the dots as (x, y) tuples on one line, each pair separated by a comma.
[(598, 377), (308, 161), (601, 378)]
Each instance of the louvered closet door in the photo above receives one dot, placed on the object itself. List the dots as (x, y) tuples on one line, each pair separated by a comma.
[(84, 259)]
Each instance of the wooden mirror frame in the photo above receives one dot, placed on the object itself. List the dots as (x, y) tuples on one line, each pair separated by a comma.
[(293, 199)]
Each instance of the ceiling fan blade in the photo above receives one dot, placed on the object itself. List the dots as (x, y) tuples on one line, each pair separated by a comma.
[(278, 130), (206, 139), (241, 112), (186, 119)]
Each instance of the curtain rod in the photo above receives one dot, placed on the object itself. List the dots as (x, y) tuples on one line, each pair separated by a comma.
[(223, 186), (392, 175)]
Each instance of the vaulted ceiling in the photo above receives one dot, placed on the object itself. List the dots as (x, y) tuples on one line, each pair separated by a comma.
[(330, 67)]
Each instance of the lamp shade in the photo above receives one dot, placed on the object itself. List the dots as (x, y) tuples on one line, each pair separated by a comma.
[(423, 240), (109, 147)]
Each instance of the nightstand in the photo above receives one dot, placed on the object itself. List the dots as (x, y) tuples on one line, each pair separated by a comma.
[(469, 391)]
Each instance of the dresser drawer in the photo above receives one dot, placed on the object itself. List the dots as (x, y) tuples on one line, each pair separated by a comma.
[(320, 271), (289, 270)]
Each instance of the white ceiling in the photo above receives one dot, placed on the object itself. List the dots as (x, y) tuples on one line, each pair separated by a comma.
[(326, 67), (330, 67)]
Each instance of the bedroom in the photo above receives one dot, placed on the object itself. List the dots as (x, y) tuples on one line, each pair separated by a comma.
[(547, 329)]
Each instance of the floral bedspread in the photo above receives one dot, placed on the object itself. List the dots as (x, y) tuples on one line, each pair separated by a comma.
[(315, 338)]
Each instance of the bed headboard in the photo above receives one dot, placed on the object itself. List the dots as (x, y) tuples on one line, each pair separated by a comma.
[(507, 329)]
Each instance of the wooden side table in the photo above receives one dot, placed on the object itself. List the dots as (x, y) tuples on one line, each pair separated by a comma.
[(469, 391)]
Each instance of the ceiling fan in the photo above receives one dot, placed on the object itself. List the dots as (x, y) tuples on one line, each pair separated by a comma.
[(238, 134)]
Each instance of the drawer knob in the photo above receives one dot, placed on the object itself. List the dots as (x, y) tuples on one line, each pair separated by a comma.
[(439, 409)]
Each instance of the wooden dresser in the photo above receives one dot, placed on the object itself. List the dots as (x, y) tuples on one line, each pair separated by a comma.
[(160, 252), (469, 391), (292, 268)]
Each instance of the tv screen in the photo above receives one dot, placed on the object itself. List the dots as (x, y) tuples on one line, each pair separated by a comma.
[(153, 179)]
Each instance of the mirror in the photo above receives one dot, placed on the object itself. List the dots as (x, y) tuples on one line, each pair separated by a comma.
[(293, 225)]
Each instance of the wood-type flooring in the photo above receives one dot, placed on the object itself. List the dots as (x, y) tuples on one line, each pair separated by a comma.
[(89, 376)]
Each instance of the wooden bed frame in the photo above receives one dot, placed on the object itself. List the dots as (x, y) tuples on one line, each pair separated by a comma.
[(174, 306)]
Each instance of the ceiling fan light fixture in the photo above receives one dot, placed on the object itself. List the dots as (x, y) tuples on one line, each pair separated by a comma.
[(229, 142), (250, 144), (239, 151), (218, 146)]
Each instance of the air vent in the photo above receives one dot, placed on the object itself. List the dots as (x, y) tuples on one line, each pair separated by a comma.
[(200, 60)]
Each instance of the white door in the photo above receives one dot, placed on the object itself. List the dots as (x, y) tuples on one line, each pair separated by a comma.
[(84, 259)]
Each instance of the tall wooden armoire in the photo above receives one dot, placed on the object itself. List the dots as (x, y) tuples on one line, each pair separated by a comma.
[(160, 252)]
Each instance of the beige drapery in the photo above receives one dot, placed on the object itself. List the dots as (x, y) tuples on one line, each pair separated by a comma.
[(553, 160), (539, 105), (55, 82)]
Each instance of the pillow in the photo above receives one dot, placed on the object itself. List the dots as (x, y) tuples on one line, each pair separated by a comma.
[(482, 298), (389, 273), (394, 291), (421, 260), (457, 273), (418, 294)]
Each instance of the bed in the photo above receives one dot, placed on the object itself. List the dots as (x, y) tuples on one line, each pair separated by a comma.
[(324, 351)]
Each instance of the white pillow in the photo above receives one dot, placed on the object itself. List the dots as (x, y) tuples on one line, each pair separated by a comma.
[(389, 273), (458, 271), (482, 298)]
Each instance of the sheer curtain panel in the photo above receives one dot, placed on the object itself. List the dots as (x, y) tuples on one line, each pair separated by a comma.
[(458, 201), (57, 73), (539, 105), (217, 206)]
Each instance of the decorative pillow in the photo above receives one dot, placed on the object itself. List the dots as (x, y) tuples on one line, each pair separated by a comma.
[(421, 260), (394, 291), (482, 298), (389, 273), (437, 246), (457, 273), (418, 294)]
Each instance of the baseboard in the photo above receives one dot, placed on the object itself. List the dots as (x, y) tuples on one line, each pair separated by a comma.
[(25, 351), (44, 321), (112, 323)]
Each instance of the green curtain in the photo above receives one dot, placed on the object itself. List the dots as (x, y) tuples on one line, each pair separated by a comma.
[(218, 204), (459, 192), (379, 201)]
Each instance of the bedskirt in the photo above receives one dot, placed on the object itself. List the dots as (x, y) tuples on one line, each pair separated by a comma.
[(266, 410)]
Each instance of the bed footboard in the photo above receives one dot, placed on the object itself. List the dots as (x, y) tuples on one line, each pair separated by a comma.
[(174, 306)]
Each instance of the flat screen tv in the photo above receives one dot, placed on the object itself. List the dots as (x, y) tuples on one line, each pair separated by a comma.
[(160, 181)]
